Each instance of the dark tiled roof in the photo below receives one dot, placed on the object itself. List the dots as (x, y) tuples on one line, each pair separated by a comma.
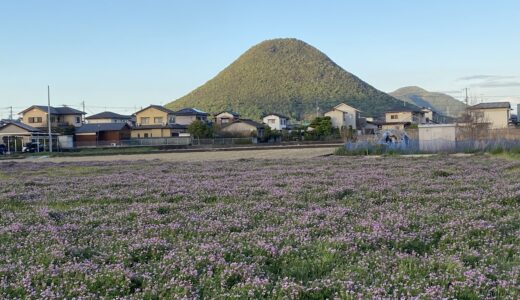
[(407, 108), (275, 114), (93, 128), (108, 115), (491, 105), (21, 125), (161, 108), (190, 112), (235, 114), (170, 126), (63, 110)]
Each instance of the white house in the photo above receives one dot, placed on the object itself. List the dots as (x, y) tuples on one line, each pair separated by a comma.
[(275, 121), (343, 115)]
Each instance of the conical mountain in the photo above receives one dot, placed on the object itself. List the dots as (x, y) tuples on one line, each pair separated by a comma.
[(441, 103), (286, 76)]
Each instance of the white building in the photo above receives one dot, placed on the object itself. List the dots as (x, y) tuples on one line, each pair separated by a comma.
[(275, 121), (343, 115), (437, 137)]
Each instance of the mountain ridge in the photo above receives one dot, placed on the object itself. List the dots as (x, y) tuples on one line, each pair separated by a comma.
[(288, 76), (440, 102)]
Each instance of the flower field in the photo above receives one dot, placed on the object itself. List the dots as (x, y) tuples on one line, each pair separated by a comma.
[(332, 227)]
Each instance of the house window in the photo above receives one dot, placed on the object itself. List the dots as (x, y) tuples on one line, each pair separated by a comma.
[(171, 119), (394, 117), (78, 119), (145, 120), (145, 135), (138, 135), (271, 121), (224, 120), (157, 120), (35, 120)]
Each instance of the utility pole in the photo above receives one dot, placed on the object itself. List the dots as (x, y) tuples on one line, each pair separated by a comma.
[(49, 117), (83, 104), (10, 113), (317, 109), (466, 98)]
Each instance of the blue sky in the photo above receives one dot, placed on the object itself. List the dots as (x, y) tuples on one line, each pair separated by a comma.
[(122, 55)]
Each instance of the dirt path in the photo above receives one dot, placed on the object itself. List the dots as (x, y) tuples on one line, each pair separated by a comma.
[(194, 156)]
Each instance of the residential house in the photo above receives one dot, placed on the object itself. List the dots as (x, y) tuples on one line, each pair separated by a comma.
[(244, 128), (275, 121), (186, 116), (36, 116), (15, 134), (156, 121), (102, 134), (343, 116), (225, 117), (495, 114), (400, 118), (108, 117)]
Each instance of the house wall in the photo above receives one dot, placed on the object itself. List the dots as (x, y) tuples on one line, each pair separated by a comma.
[(497, 117), (240, 129), (401, 117), (98, 121), (58, 119), (152, 113), (34, 113), (152, 133), (219, 117), (185, 120), (10, 128), (82, 138), (440, 137), (277, 125), (340, 118), (71, 120)]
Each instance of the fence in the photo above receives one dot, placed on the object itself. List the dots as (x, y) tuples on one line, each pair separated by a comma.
[(223, 141), (459, 139), (170, 141)]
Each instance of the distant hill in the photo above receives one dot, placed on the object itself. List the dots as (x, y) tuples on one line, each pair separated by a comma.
[(442, 103), (286, 76)]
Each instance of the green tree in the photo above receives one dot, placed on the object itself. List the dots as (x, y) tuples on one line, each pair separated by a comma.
[(322, 126), (199, 129)]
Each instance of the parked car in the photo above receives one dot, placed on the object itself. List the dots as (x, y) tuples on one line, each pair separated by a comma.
[(33, 147), (3, 149)]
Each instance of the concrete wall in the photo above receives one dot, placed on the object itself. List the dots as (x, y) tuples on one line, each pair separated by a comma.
[(438, 137)]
